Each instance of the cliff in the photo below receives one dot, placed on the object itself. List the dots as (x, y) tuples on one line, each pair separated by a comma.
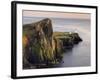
[(44, 48), (68, 38), (39, 46)]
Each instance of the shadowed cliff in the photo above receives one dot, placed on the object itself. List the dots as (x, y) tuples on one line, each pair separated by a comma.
[(43, 48), (68, 39), (40, 48)]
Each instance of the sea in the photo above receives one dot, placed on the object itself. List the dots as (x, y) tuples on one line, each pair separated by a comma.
[(80, 54)]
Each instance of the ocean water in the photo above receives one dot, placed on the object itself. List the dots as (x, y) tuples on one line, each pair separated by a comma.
[(80, 54)]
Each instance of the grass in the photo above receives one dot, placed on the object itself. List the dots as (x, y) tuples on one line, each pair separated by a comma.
[(61, 34)]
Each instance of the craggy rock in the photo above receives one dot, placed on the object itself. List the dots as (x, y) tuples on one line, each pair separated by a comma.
[(68, 39), (40, 49), (44, 48)]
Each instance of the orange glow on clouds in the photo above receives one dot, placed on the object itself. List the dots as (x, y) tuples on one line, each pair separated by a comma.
[(48, 14)]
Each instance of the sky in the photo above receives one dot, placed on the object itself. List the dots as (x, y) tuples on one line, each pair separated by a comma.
[(68, 15)]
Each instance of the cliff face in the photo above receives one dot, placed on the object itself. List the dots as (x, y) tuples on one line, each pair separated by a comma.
[(68, 39), (44, 48), (39, 46)]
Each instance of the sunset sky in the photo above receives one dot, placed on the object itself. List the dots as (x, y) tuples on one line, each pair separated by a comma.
[(68, 15)]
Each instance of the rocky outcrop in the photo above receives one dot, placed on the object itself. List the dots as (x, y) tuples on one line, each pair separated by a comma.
[(68, 39), (44, 48), (40, 49)]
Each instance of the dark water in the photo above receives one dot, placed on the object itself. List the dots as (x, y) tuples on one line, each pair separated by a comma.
[(79, 55)]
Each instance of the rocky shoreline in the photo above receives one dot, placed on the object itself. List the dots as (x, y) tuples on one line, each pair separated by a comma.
[(44, 48)]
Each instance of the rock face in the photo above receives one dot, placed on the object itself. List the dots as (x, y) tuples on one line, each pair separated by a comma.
[(44, 48), (39, 46), (68, 39)]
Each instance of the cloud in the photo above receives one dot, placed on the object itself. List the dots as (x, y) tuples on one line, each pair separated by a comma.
[(48, 14)]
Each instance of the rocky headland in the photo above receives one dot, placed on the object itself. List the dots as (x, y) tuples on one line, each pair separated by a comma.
[(44, 48)]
